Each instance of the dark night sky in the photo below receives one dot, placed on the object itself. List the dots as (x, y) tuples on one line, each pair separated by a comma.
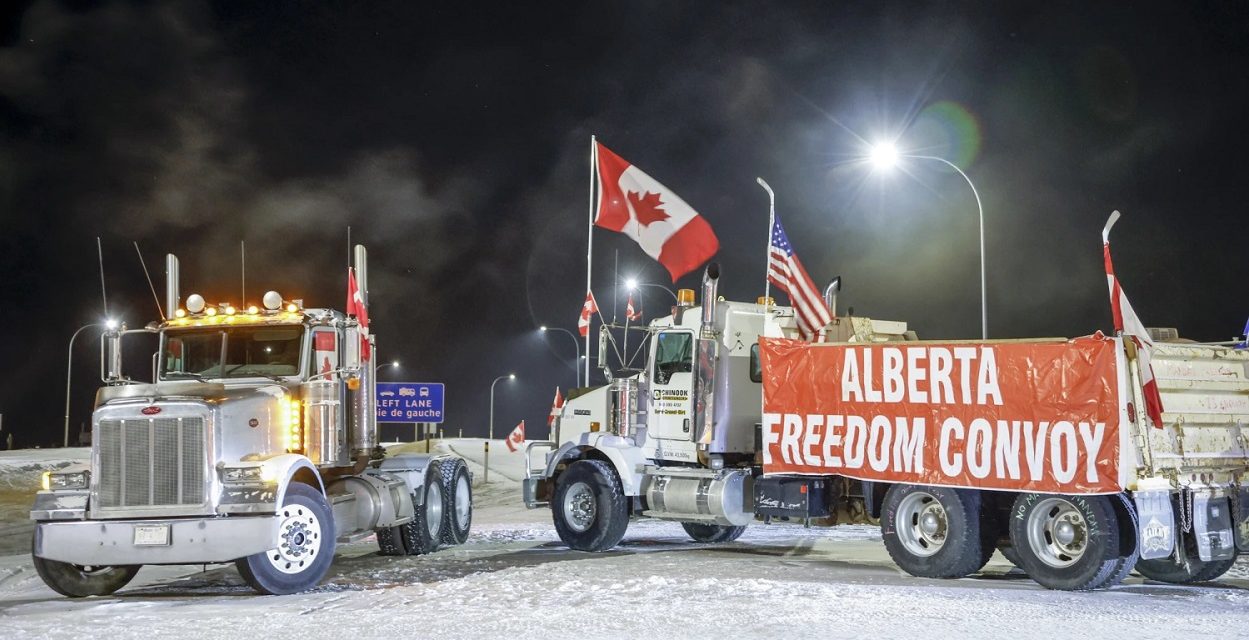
[(454, 141)]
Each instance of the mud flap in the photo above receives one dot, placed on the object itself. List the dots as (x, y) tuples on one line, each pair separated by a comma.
[(1157, 523), (1212, 525), (1242, 519)]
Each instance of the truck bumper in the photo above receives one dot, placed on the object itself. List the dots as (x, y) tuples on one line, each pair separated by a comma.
[(190, 541), (531, 488)]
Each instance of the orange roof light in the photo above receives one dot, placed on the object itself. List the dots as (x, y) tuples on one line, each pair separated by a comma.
[(685, 297)]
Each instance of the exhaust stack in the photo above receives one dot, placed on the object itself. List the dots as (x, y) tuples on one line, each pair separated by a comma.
[(711, 281), (364, 435), (172, 297), (830, 295)]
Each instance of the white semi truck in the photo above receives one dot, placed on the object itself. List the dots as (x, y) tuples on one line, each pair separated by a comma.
[(1040, 448), (255, 443)]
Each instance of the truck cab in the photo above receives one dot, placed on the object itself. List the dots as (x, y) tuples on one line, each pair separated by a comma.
[(254, 443)]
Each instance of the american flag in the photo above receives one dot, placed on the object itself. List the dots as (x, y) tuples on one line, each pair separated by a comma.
[(787, 273)]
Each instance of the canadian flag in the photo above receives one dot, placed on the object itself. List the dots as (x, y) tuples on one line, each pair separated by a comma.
[(516, 437), (589, 308), (630, 313), (1129, 325), (557, 406), (357, 308), (636, 205)]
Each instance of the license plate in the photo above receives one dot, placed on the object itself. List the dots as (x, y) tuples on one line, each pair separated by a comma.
[(153, 535)]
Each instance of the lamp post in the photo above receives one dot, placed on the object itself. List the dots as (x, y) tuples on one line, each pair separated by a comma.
[(485, 476), (69, 366), (632, 284), (576, 367), (885, 156), (392, 363)]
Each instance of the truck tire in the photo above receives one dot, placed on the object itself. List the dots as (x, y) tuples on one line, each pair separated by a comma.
[(589, 507), (390, 542), (1129, 545), (303, 547), (701, 532), (457, 485), (935, 532), (76, 581), (1066, 542), (1192, 570), (424, 534)]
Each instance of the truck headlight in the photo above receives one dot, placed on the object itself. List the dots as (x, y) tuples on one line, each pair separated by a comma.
[(53, 481), (245, 475)]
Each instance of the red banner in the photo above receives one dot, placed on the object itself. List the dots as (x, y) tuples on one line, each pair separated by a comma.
[(1027, 416)]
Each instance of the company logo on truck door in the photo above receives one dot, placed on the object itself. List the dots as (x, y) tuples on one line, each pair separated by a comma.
[(1040, 416)]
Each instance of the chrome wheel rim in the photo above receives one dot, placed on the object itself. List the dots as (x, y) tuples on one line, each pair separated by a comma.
[(1057, 532), (433, 510), (923, 524), (580, 507), (463, 502), (299, 540)]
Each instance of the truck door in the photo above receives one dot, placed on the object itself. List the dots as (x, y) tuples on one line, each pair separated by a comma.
[(671, 385)]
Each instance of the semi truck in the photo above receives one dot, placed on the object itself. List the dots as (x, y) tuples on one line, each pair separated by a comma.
[(255, 443), (1040, 448)]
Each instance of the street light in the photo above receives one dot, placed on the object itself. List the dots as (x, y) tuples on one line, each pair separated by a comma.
[(485, 477), (576, 344), (885, 156), (69, 366), (392, 363), (632, 284)]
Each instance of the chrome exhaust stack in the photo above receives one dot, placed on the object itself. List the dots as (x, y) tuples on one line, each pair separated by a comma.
[(172, 297), (711, 281), (830, 295), (364, 418)]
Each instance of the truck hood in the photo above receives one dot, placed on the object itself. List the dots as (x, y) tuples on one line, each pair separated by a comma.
[(206, 391)]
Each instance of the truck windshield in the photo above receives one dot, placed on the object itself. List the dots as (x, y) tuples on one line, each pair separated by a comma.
[(248, 352)]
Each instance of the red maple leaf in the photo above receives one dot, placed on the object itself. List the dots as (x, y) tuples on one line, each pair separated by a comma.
[(647, 206)]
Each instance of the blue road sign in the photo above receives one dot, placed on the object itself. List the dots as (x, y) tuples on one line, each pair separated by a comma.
[(410, 402)]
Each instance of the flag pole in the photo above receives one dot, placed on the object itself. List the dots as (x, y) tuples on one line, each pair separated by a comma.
[(767, 284), (589, 252)]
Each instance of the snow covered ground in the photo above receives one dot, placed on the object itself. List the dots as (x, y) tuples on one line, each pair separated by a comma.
[(514, 578)]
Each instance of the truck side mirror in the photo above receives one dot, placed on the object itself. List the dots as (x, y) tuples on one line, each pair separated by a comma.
[(351, 348)]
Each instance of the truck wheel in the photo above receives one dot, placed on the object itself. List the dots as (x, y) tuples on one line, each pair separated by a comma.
[(303, 546), (934, 532), (701, 532), (77, 581), (1070, 543), (1193, 569), (1129, 546), (458, 488), (424, 534), (590, 509), (390, 542)]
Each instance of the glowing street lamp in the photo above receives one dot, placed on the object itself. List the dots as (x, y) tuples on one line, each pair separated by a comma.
[(885, 156), (485, 477), (575, 343), (109, 325), (632, 284)]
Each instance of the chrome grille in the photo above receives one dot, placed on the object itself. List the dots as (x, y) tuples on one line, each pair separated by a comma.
[(150, 462)]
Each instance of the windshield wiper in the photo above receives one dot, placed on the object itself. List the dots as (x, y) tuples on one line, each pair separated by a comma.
[(251, 372), (188, 374)]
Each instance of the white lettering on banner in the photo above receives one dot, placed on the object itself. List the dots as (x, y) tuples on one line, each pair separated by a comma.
[(1092, 438), (815, 429), (917, 374), (942, 365), (951, 466), (850, 379), (982, 448), (903, 375), (770, 420), (832, 439)]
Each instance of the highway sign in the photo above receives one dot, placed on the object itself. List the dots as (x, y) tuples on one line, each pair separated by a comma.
[(410, 402)]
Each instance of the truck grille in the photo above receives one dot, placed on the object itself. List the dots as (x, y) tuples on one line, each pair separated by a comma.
[(150, 462)]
